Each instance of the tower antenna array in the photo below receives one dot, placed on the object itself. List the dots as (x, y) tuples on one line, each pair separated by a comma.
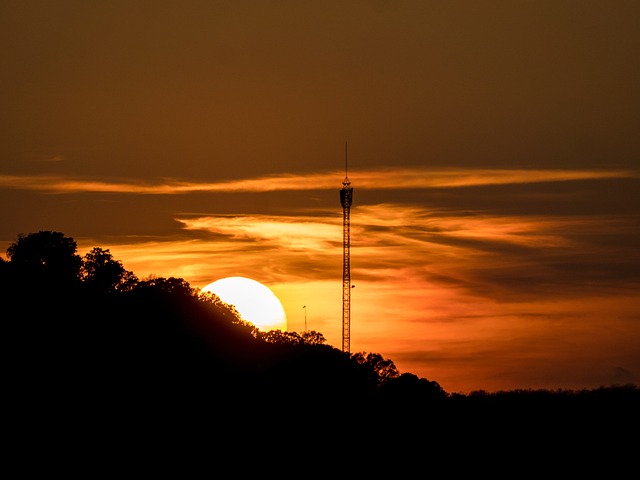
[(346, 195)]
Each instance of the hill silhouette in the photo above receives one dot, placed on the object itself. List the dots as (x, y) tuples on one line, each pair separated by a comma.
[(89, 346)]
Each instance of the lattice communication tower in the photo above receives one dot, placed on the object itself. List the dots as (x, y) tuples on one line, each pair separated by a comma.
[(346, 195)]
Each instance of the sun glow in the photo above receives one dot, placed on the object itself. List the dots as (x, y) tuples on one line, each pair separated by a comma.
[(255, 302)]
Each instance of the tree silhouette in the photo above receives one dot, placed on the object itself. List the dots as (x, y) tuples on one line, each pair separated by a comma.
[(409, 389), (101, 272), (383, 369), (46, 259)]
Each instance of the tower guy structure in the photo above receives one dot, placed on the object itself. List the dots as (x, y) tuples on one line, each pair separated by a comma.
[(346, 195)]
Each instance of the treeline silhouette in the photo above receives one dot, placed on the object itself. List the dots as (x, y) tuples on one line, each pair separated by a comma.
[(88, 341)]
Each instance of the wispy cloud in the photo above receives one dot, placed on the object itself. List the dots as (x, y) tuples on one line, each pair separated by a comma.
[(301, 233), (521, 256), (52, 159), (375, 179)]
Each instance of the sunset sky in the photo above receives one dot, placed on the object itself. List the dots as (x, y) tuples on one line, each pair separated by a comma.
[(493, 149)]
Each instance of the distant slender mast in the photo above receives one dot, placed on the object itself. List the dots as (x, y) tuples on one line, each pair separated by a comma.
[(346, 195)]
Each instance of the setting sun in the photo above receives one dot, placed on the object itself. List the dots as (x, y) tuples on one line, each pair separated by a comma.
[(255, 302)]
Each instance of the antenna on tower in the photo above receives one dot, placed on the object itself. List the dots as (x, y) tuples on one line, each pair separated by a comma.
[(346, 166), (346, 162), (346, 196)]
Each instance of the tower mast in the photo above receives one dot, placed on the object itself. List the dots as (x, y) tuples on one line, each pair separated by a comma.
[(346, 194)]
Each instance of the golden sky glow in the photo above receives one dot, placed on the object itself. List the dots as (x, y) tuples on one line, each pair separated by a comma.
[(493, 152)]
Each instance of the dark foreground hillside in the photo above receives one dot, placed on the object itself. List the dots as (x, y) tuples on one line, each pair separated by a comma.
[(94, 354)]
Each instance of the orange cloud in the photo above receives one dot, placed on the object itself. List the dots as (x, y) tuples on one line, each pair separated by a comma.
[(282, 231), (378, 179)]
